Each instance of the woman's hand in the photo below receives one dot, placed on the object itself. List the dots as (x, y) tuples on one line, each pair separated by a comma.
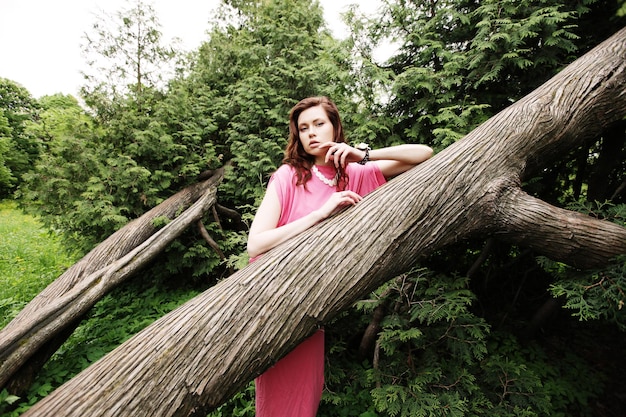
[(337, 201), (340, 154), (264, 233)]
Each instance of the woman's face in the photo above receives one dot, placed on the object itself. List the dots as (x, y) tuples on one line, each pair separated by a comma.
[(314, 128)]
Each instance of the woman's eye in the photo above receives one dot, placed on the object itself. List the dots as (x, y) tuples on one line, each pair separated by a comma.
[(303, 129), (320, 124)]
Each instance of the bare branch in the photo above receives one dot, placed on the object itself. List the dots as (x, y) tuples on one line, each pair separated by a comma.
[(208, 239), (576, 239)]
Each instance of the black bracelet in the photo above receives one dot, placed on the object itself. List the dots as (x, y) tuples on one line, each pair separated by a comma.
[(366, 158)]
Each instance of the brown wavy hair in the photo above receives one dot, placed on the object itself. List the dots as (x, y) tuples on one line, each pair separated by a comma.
[(296, 156)]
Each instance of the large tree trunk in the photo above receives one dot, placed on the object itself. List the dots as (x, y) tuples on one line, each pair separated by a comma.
[(44, 324), (196, 357)]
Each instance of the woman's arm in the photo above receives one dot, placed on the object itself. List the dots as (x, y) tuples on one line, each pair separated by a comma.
[(264, 234), (392, 160), (395, 160)]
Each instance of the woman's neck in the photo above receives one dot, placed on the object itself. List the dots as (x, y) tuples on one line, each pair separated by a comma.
[(321, 163)]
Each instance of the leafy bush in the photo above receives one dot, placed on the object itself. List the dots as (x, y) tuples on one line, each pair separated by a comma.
[(112, 321), (597, 294), (434, 357)]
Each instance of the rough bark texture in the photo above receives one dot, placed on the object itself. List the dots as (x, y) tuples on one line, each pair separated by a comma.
[(62, 304), (196, 357)]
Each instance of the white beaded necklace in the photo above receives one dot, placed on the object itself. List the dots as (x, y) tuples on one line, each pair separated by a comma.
[(318, 174)]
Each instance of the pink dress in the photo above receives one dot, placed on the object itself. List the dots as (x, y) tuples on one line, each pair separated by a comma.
[(293, 386)]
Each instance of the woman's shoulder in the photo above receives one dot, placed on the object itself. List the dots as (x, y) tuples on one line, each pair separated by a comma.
[(284, 171), (285, 168), (284, 174)]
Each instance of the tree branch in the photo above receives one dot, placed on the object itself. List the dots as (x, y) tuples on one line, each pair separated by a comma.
[(209, 240), (573, 238), (80, 287)]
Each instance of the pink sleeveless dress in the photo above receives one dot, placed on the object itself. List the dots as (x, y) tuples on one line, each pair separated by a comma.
[(293, 386)]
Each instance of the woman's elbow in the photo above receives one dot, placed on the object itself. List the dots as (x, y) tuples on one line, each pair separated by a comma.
[(252, 249), (426, 152)]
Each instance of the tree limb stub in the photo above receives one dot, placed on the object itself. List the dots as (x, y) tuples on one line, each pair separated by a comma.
[(81, 286), (582, 240), (198, 356)]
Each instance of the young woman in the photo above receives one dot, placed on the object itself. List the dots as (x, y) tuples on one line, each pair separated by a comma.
[(320, 175)]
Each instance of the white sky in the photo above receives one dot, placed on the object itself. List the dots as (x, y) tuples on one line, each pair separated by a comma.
[(40, 39)]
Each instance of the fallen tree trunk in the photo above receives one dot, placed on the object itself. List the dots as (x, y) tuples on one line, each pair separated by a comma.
[(198, 356), (51, 316)]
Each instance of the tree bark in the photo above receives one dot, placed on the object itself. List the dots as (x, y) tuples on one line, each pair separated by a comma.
[(198, 356), (29, 339)]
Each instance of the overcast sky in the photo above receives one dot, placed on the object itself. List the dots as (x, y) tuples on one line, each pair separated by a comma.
[(40, 39)]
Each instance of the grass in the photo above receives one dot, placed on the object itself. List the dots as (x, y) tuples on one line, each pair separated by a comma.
[(30, 258)]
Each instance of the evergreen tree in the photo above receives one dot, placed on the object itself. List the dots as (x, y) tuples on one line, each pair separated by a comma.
[(128, 162), (453, 334), (58, 182), (19, 149), (459, 62), (126, 58), (268, 56)]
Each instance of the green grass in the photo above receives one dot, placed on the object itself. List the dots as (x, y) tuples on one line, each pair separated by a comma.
[(30, 258)]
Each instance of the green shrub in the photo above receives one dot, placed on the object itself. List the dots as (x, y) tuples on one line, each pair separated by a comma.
[(434, 356)]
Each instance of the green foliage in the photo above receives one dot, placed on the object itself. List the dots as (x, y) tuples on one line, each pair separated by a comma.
[(435, 357), (515, 36), (30, 258), (429, 316), (6, 398), (594, 295), (241, 405), (18, 149), (113, 320), (53, 188), (458, 62)]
